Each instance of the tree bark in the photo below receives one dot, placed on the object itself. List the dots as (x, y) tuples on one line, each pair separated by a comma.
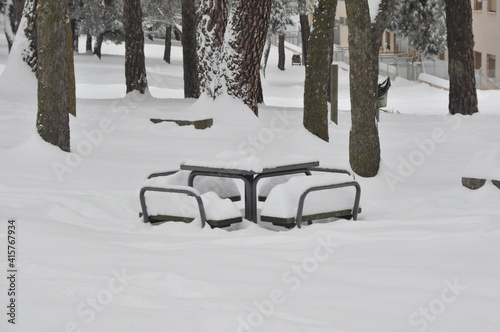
[(135, 66), (189, 46), (88, 43), (168, 44), (98, 45), (317, 70), (463, 95), (249, 25), (281, 52), (211, 29), (55, 53), (305, 29), (364, 41)]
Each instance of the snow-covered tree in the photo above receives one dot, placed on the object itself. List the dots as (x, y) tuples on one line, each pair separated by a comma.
[(101, 19), (211, 29), (54, 70), (305, 8), (423, 22), (365, 36), (30, 30), (189, 47), (159, 18), (281, 16), (317, 70), (244, 45), (135, 67), (463, 94)]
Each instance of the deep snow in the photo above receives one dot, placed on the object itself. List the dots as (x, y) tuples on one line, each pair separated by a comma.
[(423, 255)]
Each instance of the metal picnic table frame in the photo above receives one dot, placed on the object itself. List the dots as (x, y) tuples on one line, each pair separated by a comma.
[(249, 178)]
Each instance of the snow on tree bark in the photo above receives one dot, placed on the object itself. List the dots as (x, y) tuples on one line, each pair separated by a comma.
[(55, 95), (244, 40), (135, 68), (364, 41), (211, 29), (317, 70), (30, 54), (189, 47), (463, 95)]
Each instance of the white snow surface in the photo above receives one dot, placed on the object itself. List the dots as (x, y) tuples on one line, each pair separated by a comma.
[(374, 9), (423, 254)]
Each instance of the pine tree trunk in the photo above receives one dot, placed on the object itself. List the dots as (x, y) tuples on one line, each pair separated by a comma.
[(135, 66), (316, 83), (364, 42), (168, 44), (281, 52), (54, 71), (248, 24), (305, 29), (463, 95), (211, 29), (88, 43), (265, 55), (74, 36), (98, 45), (189, 46)]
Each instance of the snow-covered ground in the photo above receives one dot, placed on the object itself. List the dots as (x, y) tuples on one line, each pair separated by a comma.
[(423, 256)]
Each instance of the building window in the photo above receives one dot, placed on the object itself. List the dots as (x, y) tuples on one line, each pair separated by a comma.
[(490, 65), (477, 60), (478, 4), (492, 6)]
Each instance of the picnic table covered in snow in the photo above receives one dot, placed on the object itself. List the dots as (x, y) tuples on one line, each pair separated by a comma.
[(250, 170)]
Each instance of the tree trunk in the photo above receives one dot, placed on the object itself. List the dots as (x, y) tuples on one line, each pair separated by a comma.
[(74, 36), (211, 29), (135, 66), (88, 43), (189, 46), (305, 29), (98, 44), (463, 95), (54, 72), (364, 42), (265, 55), (168, 44), (248, 32), (316, 83), (281, 52)]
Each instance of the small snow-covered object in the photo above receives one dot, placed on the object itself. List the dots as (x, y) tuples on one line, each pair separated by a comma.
[(324, 196), (484, 165)]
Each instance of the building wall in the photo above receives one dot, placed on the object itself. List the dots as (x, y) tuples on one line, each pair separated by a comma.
[(486, 25), (341, 23)]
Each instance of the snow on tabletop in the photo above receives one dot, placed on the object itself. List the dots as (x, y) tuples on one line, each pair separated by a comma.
[(283, 199), (484, 164), (231, 159)]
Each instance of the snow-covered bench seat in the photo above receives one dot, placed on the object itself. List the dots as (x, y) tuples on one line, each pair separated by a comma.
[(184, 204), (268, 184), (307, 198), (223, 187)]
